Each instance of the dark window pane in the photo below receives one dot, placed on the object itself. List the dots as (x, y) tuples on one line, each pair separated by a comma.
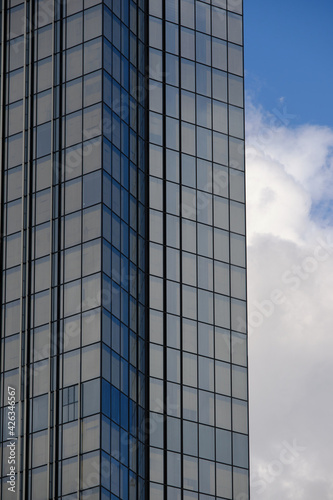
[(91, 189), (44, 139), (40, 413)]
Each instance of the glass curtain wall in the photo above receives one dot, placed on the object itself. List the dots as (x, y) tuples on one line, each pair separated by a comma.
[(198, 345), (73, 248), (82, 220)]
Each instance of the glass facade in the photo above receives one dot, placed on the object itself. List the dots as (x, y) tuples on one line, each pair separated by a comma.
[(198, 353), (123, 292)]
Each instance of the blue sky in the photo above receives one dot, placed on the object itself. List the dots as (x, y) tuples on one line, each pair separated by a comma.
[(288, 55), (289, 75)]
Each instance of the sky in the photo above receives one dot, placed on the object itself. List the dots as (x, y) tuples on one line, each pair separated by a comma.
[(289, 131), (288, 57)]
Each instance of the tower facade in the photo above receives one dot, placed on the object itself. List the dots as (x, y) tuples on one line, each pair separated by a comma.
[(123, 319)]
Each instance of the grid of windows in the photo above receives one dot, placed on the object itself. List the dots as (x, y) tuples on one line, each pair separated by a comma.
[(198, 346), (87, 171), (73, 215)]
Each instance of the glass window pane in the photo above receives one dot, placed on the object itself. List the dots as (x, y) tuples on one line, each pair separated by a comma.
[(74, 30), (203, 79), (72, 229), (188, 138), (92, 55), (155, 98), (44, 72), (13, 283), (74, 95), (155, 33), (205, 306), (172, 102), (221, 273), (39, 448), (45, 39), (238, 315), (92, 22), (39, 482), (91, 362), (235, 28), (70, 439), (223, 411), (237, 185), (12, 352), (203, 48), (190, 472), (172, 11), (91, 223), (220, 148), (206, 408), (15, 117), (223, 378), (190, 438), (73, 195), (187, 43), (237, 245), (239, 382), (235, 59), (155, 8), (189, 336), (219, 23), (42, 308), (219, 85), (40, 413), (74, 62), (16, 53), (239, 349), (69, 475), (15, 85), (43, 206), (239, 416), (190, 370), (44, 106), (92, 189), (240, 449), (187, 13), (174, 469), (205, 240), (236, 149), (12, 322), (42, 274), (44, 139), (223, 447), (220, 114), (236, 122), (206, 442), (188, 106), (203, 17), (204, 111), (156, 465), (241, 483), (90, 397), (238, 282), (235, 90), (90, 433), (188, 75), (207, 477), (224, 481)]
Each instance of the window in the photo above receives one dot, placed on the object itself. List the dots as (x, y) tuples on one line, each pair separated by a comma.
[(40, 413), (69, 439), (70, 403)]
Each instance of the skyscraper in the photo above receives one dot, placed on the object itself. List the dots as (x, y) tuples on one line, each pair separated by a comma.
[(123, 319)]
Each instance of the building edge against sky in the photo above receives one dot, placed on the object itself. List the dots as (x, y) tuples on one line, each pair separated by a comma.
[(123, 319)]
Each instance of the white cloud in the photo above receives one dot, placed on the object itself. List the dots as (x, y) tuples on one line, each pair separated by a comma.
[(290, 270)]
